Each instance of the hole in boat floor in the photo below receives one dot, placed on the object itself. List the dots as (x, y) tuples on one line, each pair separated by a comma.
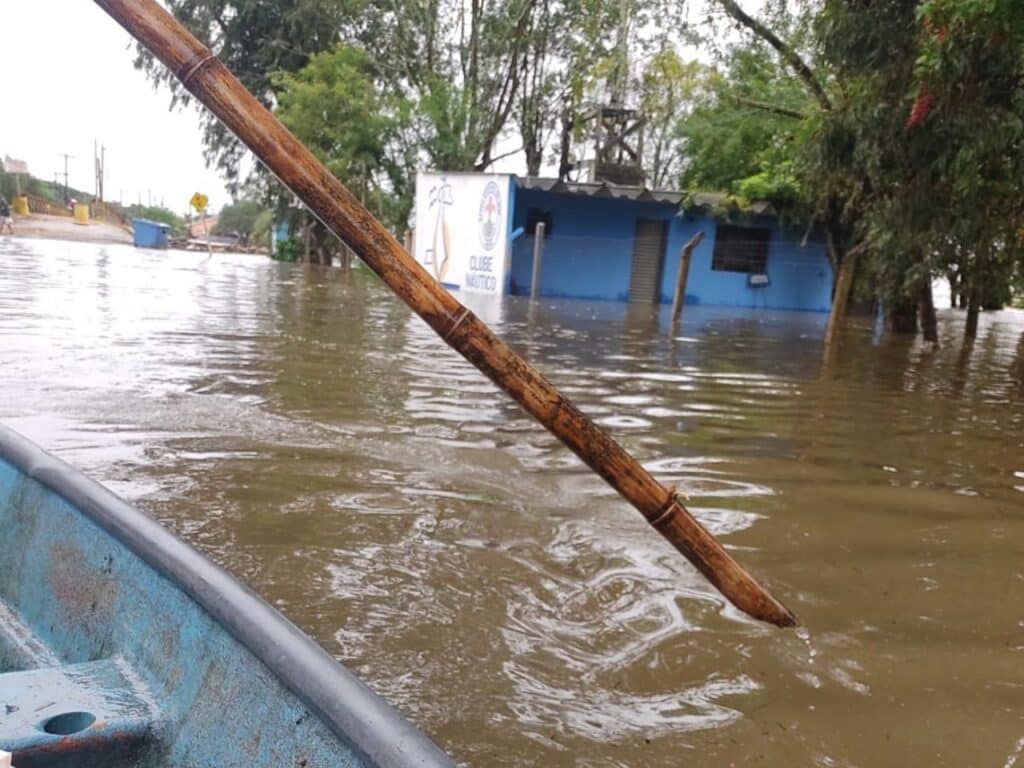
[(69, 722)]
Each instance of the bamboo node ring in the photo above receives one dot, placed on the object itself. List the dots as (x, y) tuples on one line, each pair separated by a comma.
[(667, 511), (190, 68), (451, 329)]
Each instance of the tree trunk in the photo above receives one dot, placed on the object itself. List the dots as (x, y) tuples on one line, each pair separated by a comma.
[(534, 157), (973, 309), (926, 305), (844, 284), (902, 317), (323, 240), (565, 147)]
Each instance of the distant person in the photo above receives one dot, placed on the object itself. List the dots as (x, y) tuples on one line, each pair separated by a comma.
[(5, 216)]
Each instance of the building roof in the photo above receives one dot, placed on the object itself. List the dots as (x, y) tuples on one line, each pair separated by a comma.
[(705, 200), (11, 165)]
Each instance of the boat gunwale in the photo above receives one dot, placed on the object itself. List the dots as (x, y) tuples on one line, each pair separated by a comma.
[(352, 710)]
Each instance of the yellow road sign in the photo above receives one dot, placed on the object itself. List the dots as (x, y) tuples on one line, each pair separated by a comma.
[(199, 201)]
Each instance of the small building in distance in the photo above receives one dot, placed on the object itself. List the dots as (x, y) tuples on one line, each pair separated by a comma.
[(477, 232), (202, 226)]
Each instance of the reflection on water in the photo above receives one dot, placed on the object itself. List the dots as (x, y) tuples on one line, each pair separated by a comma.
[(301, 427)]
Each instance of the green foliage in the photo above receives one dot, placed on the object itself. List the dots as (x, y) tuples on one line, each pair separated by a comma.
[(262, 228), (668, 87), (255, 39), (289, 250), (746, 136), (334, 107), (239, 218), (9, 186), (897, 126), (452, 80), (159, 214), (928, 141)]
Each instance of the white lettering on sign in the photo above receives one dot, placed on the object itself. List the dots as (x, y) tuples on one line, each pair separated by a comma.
[(480, 276)]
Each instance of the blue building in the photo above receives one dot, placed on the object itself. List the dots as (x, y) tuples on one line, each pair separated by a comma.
[(618, 243)]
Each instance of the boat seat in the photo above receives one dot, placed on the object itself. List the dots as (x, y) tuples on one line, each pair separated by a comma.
[(80, 715)]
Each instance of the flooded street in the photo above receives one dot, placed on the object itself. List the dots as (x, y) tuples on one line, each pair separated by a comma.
[(305, 430)]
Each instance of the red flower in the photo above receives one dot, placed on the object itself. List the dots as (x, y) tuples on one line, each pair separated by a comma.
[(919, 111)]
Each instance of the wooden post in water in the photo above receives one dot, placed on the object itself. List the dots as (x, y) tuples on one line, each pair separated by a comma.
[(209, 80), (538, 256), (684, 274)]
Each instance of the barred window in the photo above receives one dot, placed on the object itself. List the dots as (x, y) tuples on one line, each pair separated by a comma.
[(535, 216), (741, 249)]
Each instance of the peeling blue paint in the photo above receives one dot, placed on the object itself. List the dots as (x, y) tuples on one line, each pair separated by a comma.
[(169, 660)]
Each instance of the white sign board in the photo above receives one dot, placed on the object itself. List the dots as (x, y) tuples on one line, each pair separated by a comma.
[(462, 222), (10, 165)]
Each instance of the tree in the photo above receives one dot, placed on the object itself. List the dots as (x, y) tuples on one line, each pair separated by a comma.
[(457, 64), (668, 88), (262, 229), (833, 205), (159, 214), (746, 132), (906, 150), (239, 218), (930, 139), (537, 98), (336, 108), (966, 127), (255, 39)]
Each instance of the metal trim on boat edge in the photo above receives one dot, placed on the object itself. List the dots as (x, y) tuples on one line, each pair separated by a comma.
[(346, 704)]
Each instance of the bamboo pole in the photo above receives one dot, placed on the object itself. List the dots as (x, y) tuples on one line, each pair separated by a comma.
[(684, 273), (209, 80)]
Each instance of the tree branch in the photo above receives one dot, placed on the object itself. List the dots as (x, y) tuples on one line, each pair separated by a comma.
[(492, 160), (764, 106), (790, 56)]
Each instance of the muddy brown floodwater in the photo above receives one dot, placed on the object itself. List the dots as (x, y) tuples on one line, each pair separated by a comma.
[(303, 429)]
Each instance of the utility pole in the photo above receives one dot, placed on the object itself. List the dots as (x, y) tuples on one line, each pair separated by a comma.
[(100, 159), (66, 158)]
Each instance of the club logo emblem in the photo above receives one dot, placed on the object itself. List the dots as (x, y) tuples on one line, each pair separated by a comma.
[(489, 217)]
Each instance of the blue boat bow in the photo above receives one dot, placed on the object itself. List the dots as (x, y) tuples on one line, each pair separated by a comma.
[(122, 645)]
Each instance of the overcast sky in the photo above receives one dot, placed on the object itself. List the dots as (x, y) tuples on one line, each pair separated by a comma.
[(68, 79)]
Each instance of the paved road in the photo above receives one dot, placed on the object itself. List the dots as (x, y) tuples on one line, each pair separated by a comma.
[(64, 228)]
